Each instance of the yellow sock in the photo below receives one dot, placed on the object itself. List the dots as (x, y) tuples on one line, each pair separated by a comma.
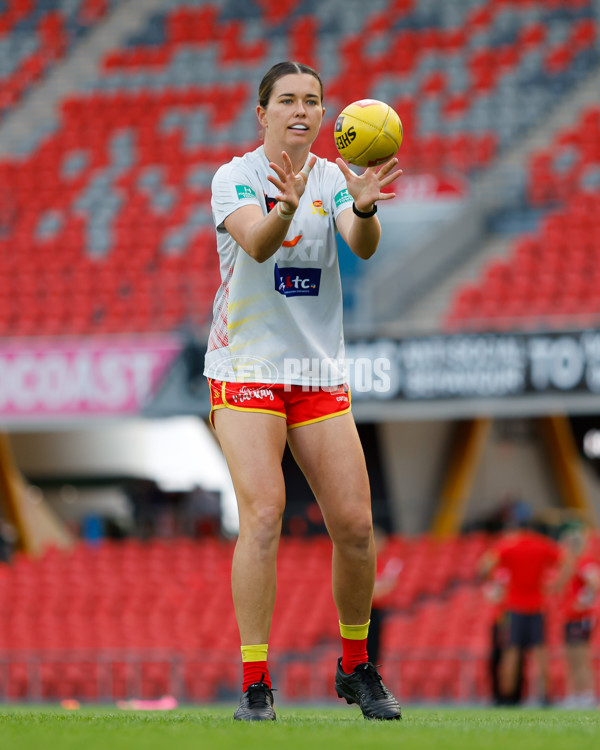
[(255, 653), (354, 632)]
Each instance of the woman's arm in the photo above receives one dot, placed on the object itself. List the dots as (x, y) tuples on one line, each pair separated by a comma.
[(259, 235)]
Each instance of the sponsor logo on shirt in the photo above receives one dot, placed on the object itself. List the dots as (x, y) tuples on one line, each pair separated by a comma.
[(317, 208), (244, 191), (297, 282), (342, 197), (270, 202), (292, 243)]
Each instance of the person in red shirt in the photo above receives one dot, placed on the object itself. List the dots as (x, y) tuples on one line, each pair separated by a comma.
[(579, 605), (529, 557), (495, 593)]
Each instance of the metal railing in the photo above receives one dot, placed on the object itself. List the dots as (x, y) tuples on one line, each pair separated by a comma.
[(416, 675)]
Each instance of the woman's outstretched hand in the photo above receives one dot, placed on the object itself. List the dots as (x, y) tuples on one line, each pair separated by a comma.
[(366, 188), (289, 184)]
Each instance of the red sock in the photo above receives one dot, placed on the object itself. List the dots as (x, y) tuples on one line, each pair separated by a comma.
[(353, 654), (255, 671)]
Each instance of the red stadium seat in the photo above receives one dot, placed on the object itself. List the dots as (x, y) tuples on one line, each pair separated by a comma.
[(532, 34), (434, 84), (559, 59)]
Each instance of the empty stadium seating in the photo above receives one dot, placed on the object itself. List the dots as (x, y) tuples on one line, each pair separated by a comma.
[(106, 225), (34, 34), (133, 619), (550, 277)]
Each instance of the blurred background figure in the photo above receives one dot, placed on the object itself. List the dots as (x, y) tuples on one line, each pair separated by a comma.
[(495, 592), (388, 573), (8, 541), (529, 558), (579, 602)]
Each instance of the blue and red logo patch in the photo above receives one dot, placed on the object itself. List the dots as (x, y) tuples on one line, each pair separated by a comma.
[(297, 282)]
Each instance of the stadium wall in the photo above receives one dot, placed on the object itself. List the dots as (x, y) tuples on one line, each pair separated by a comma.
[(514, 466)]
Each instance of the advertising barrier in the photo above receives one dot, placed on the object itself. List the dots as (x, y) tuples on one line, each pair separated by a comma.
[(82, 378)]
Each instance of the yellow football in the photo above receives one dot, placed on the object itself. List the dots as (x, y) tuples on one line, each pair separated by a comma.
[(368, 132)]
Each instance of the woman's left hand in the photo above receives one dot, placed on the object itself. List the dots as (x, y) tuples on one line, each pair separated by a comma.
[(366, 188)]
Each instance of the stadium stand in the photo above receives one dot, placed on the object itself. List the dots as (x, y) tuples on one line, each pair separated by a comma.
[(146, 619), (116, 197), (549, 278), (34, 34)]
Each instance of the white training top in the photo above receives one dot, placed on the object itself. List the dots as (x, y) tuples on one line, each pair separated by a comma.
[(279, 321)]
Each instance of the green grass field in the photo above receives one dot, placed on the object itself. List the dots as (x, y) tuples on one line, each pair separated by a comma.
[(297, 728)]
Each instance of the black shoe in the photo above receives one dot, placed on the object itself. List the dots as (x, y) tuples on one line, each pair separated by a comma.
[(365, 687), (256, 704)]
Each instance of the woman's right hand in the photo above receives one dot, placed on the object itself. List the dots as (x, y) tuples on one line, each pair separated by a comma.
[(290, 185)]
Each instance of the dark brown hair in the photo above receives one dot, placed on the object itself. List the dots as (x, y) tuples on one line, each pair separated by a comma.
[(278, 71)]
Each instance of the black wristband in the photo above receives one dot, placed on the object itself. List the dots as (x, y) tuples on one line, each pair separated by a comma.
[(364, 214)]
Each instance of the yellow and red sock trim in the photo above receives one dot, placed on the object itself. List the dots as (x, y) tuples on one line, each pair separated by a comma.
[(354, 645), (254, 665)]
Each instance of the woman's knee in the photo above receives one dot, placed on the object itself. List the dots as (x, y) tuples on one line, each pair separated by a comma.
[(262, 522), (353, 531)]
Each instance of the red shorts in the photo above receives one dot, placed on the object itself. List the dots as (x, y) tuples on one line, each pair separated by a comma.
[(297, 404)]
